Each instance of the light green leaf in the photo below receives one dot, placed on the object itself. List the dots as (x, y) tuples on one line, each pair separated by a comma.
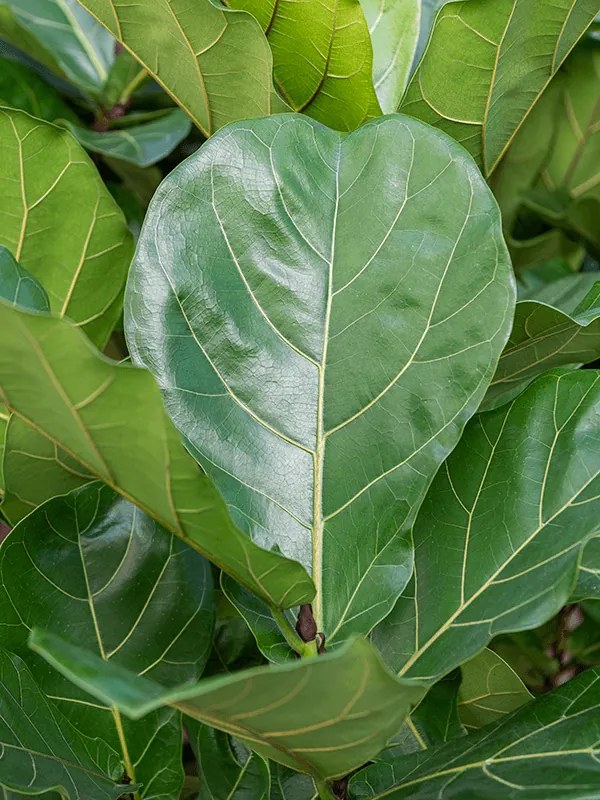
[(547, 750), (143, 144), (322, 58), (39, 748), (361, 296), (62, 36), (104, 574), (22, 88), (47, 179), (497, 545), (543, 338), (223, 70), (588, 579), (489, 690), (110, 418), (486, 65), (394, 26)]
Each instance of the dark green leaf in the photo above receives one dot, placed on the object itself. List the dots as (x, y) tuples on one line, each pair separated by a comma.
[(320, 391), (110, 418), (555, 284), (588, 579), (497, 544), (22, 88), (323, 715), (545, 751)]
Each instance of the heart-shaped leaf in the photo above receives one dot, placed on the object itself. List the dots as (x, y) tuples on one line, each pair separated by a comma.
[(307, 320), (323, 716), (497, 545), (547, 750), (110, 418)]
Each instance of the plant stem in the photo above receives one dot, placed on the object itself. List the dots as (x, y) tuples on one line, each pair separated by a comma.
[(132, 86), (325, 792), (303, 649)]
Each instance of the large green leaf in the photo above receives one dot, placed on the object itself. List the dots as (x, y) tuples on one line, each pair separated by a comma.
[(40, 749), (489, 690), (394, 26), (543, 338), (322, 57), (323, 715), (487, 63), (61, 223), (221, 68), (62, 36), (348, 294), (545, 751), (22, 88), (104, 574), (110, 418), (498, 539)]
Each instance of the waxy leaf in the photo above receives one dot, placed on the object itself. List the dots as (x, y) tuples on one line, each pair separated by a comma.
[(486, 65), (40, 749), (489, 690), (323, 716), (62, 36), (588, 579), (497, 544), (61, 223), (542, 338), (322, 58), (308, 319), (215, 63), (547, 750), (104, 574), (22, 88), (110, 418)]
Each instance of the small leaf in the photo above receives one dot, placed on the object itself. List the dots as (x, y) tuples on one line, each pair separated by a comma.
[(323, 716), (547, 750), (555, 284), (498, 544), (489, 690), (110, 418)]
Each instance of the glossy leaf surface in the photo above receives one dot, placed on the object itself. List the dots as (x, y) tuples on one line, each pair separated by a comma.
[(514, 48), (105, 575), (545, 751), (497, 545), (49, 186), (310, 389), (110, 418), (324, 715), (221, 68)]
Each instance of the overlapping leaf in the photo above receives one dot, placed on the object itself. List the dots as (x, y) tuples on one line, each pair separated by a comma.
[(588, 579), (323, 716), (21, 87), (486, 65), (61, 223), (104, 574), (497, 545), (216, 64), (301, 318), (545, 751), (110, 418)]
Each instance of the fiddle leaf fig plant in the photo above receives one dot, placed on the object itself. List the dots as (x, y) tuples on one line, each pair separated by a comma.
[(299, 400)]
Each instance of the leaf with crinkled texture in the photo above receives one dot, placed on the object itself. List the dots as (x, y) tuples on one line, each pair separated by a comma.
[(543, 338), (588, 579), (497, 545), (22, 88), (111, 419), (221, 68), (322, 58), (60, 222), (486, 65), (39, 748), (323, 716), (547, 750), (489, 690), (322, 391), (104, 574)]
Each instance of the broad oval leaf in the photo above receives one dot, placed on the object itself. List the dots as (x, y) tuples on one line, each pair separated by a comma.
[(514, 48), (111, 419), (223, 69), (323, 716), (497, 545), (104, 574), (49, 186), (322, 326), (547, 750)]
